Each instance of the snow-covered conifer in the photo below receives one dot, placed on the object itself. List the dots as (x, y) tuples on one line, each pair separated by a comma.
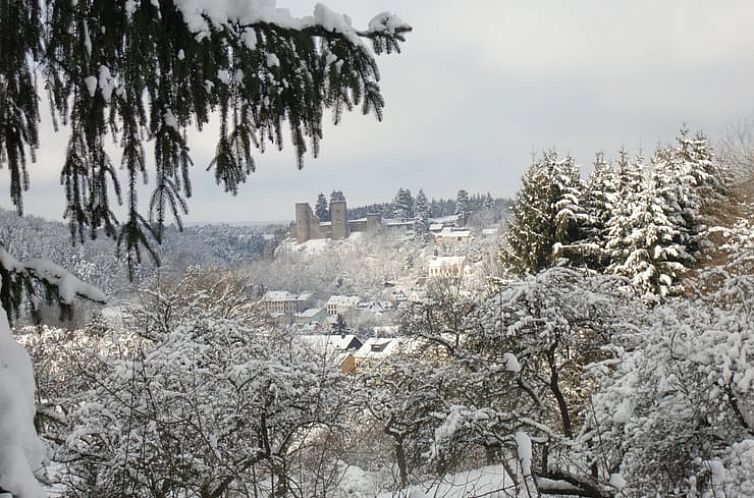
[(421, 211), (462, 203), (548, 219), (403, 205), (598, 203), (651, 252), (321, 208)]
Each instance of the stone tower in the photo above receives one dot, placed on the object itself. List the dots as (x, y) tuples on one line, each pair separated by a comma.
[(339, 218), (304, 218), (373, 221)]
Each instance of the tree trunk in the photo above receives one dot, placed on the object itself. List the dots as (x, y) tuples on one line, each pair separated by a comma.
[(400, 457)]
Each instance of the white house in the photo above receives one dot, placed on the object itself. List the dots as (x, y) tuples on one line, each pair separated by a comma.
[(450, 236), (283, 302), (337, 305), (446, 266)]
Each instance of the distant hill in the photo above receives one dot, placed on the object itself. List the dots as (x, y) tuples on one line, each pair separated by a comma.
[(95, 261)]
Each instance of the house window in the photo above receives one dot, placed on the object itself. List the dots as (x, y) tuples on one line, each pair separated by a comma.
[(379, 347)]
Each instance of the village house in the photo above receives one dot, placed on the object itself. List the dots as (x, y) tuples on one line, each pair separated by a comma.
[(284, 302), (377, 349), (338, 305), (451, 236), (335, 350), (446, 267)]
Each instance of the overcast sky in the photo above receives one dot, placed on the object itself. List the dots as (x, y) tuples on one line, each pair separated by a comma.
[(479, 86)]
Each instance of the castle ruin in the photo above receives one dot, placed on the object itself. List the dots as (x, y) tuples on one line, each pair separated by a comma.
[(308, 226)]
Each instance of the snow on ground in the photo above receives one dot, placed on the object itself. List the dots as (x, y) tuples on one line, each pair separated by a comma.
[(318, 246), (490, 482)]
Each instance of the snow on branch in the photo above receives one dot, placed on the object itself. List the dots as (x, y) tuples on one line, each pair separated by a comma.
[(67, 284)]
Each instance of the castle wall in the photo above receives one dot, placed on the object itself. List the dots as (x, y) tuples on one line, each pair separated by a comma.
[(307, 226)]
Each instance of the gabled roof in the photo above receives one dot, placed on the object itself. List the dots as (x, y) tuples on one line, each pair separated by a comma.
[(378, 348), (454, 232), (343, 301), (447, 261), (309, 313), (446, 219), (278, 296), (327, 344)]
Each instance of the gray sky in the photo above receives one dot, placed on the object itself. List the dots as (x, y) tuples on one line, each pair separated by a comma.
[(478, 87)]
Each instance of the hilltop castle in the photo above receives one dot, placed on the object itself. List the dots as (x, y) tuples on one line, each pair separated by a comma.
[(308, 226)]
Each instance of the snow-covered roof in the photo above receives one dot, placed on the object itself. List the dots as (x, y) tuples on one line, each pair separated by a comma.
[(343, 301), (386, 329), (396, 223), (277, 296), (321, 343), (304, 297), (309, 313), (446, 219), (447, 261), (377, 348), (454, 232), (435, 227)]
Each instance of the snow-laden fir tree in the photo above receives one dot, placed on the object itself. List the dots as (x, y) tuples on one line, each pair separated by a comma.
[(548, 219), (421, 212), (489, 201), (321, 208), (626, 182), (403, 205), (701, 186), (462, 203), (646, 242), (598, 201)]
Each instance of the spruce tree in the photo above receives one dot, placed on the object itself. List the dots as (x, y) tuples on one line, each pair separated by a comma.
[(130, 71), (421, 212), (598, 202), (403, 205), (462, 203), (321, 209), (701, 186), (650, 252), (626, 182), (489, 201), (547, 223), (340, 327)]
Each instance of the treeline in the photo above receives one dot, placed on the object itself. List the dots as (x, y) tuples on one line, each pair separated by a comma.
[(406, 206), (96, 262)]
